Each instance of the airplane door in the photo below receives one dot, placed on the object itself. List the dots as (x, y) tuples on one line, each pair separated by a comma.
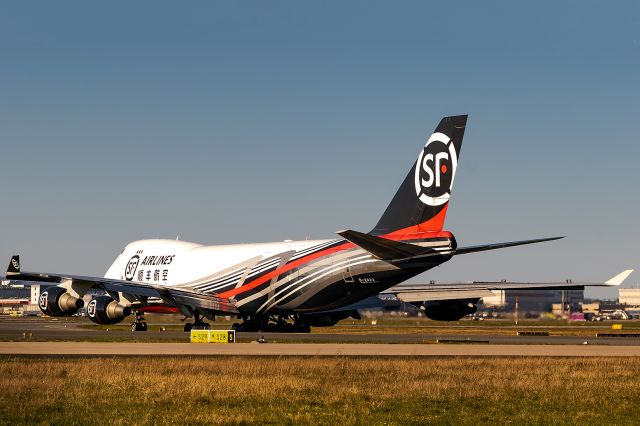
[(346, 275)]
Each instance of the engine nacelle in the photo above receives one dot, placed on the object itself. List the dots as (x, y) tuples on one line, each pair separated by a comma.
[(105, 310), (57, 302), (449, 310)]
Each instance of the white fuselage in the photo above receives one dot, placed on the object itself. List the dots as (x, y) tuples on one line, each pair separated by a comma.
[(289, 276), (173, 262)]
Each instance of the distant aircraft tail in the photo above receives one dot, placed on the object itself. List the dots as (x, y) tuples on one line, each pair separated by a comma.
[(420, 205), (14, 266)]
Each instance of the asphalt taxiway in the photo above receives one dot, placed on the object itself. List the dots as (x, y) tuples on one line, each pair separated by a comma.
[(17, 329)]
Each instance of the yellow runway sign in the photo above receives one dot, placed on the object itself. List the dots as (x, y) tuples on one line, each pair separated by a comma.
[(222, 336), (213, 336)]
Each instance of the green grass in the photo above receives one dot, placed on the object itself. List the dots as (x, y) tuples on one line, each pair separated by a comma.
[(298, 390)]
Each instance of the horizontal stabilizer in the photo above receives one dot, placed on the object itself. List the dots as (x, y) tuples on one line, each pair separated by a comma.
[(383, 248), (485, 247)]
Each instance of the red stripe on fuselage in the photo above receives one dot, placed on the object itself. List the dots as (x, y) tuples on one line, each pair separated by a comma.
[(409, 235), (158, 309), (429, 229), (285, 268)]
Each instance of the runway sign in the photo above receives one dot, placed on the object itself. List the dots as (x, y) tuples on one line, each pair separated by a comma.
[(616, 327), (199, 336), (222, 336), (213, 336)]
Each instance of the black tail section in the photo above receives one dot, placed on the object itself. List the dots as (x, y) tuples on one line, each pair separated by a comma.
[(421, 202)]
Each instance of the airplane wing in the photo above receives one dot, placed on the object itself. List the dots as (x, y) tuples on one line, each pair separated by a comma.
[(479, 289), (176, 296)]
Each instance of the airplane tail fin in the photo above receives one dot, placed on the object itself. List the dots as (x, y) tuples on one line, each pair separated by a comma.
[(14, 266), (420, 205)]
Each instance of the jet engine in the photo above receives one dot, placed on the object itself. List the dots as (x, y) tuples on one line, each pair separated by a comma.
[(57, 302), (449, 310), (105, 310)]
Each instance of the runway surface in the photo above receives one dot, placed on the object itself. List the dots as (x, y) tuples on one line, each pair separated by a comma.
[(308, 349), (46, 330)]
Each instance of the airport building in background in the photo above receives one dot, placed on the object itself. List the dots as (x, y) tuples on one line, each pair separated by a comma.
[(629, 299), (19, 298), (534, 301), (14, 298), (629, 296)]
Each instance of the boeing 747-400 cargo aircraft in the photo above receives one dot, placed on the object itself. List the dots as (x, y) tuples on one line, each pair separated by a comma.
[(294, 284)]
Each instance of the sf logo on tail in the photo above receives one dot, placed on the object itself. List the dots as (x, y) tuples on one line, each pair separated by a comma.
[(435, 170)]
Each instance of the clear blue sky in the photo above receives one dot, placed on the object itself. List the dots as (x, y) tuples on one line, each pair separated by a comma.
[(255, 121)]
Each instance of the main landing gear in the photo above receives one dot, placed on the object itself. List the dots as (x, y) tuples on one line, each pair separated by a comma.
[(197, 324), (139, 324), (273, 323)]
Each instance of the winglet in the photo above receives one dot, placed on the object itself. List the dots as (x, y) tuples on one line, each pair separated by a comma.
[(14, 266), (619, 279)]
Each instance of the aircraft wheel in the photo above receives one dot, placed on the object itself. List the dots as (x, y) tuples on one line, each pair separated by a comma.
[(139, 326), (303, 328), (187, 327), (237, 327)]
